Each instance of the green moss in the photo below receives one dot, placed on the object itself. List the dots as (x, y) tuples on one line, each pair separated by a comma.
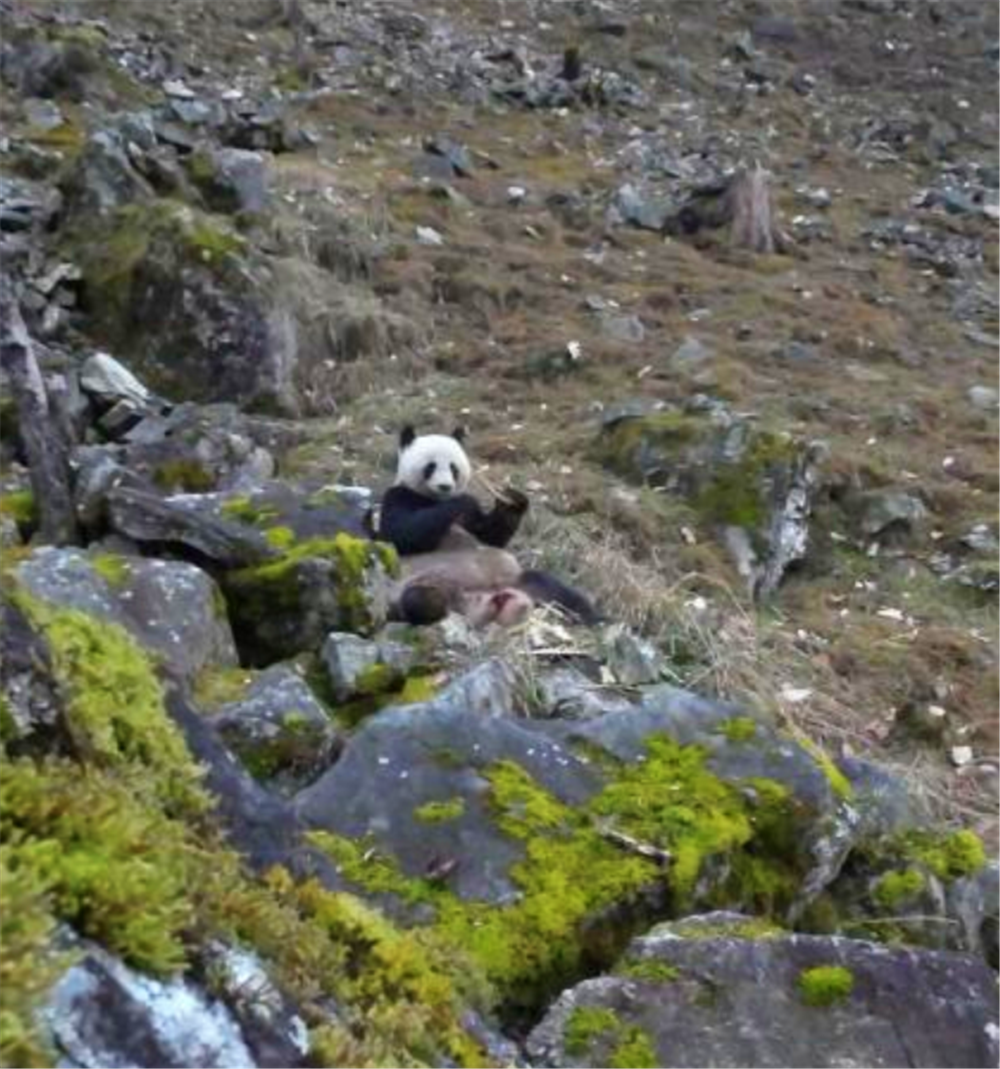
[(375, 679), (587, 1024), (116, 252), (825, 985), (950, 855), (736, 494), (895, 888), (257, 592), (629, 1045), (649, 970), (119, 847), (571, 873), (184, 475), (672, 801), (362, 864), (214, 687), (113, 569), (739, 728), (19, 505), (282, 538), (114, 702), (627, 445), (243, 509), (417, 688), (839, 783), (756, 928), (634, 1050), (439, 812), (28, 965), (114, 865)]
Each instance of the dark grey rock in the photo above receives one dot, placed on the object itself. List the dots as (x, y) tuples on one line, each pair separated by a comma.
[(103, 177), (622, 328), (33, 703), (641, 210), (234, 179), (737, 1001), (205, 447), (347, 657), (691, 353), (881, 510), (403, 758), (147, 518), (456, 154), (279, 730), (632, 659), (170, 607), (703, 455)]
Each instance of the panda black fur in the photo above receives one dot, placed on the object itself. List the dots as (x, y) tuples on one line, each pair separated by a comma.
[(449, 545)]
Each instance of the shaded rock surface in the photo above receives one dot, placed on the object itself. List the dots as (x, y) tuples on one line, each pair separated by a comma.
[(728, 1000)]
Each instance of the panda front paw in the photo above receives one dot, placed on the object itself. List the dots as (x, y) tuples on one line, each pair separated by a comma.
[(513, 500)]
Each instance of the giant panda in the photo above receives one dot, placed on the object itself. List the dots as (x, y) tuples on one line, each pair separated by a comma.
[(451, 550)]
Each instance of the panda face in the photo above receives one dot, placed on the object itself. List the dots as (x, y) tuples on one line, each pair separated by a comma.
[(434, 465)]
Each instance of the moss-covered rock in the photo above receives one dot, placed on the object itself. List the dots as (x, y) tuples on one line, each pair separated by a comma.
[(736, 476), (169, 607), (838, 1001), (290, 605)]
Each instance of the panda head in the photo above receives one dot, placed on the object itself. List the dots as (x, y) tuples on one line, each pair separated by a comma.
[(434, 465)]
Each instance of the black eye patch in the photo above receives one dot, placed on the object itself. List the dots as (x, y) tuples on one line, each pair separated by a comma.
[(454, 472), (429, 470)]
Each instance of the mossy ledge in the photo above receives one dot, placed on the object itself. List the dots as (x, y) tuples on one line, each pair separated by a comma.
[(581, 896), (117, 840)]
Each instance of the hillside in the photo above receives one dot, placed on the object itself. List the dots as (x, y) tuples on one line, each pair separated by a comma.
[(296, 226)]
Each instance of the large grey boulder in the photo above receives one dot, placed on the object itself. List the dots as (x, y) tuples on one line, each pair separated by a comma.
[(719, 783), (172, 608), (720, 990)]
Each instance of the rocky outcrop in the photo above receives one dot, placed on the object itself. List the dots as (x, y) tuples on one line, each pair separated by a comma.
[(723, 990), (753, 486)]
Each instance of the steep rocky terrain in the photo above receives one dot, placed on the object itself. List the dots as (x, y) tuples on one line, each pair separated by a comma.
[(748, 821)]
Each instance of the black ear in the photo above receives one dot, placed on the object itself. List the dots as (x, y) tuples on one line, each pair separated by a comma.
[(406, 436), (458, 434)]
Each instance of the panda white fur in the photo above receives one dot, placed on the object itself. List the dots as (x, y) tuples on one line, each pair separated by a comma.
[(451, 549)]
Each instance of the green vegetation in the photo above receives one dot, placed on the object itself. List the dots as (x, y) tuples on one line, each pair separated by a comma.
[(571, 872), (825, 985), (439, 812), (112, 568), (19, 505), (948, 856), (633, 1050), (895, 888), (629, 1046), (186, 476), (121, 847), (650, 970), (739, 728), (585, 1024), (243, 509)]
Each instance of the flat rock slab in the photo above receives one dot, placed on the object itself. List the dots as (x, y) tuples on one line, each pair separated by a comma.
[(727, 1000)]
